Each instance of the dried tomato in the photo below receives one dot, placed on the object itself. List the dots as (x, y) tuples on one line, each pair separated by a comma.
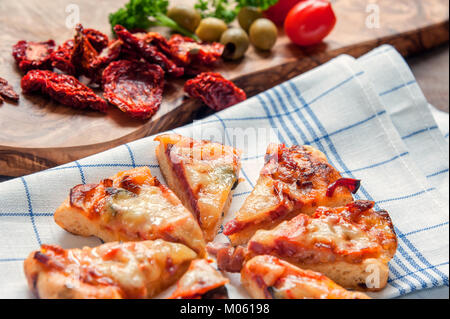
[(7, 91), (214, 90), (352, 185), (62, 58), (158, 40), (63, 88), (109, 54), (86, 59), (84, 56), (135, 87), (33, 55), (128, 54), (187, 51), (98, 39), (148, 52)]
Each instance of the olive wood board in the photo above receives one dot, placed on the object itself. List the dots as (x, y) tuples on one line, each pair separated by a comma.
[(36, 133)]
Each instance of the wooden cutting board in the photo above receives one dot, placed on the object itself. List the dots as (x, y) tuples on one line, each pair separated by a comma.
[(37, 133)]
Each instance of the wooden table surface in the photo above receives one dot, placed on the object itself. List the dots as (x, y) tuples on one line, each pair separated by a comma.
[(46, 137), (431, 70)]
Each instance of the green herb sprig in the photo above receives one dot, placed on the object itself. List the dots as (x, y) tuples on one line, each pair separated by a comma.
[(227, 10), (143, 14)]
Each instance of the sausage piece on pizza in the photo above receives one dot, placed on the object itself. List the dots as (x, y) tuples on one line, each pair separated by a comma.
[(129, 206), (110, 271), (202, 174), (267, 277), (293, 180), (351, 245), (201, 281)]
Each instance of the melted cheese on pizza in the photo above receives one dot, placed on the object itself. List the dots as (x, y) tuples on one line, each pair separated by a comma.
[(119, 270), (267, 277), (131, 212), (345, 236), (138, 209), (330, 235)]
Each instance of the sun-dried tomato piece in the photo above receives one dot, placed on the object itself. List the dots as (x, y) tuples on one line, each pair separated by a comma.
[(7, 91), (84, 56), (109, 54), (87, 61), (187, 51), (126, 53), (33, 55), (352, 185), (214, 90), (62, 88), (62, 58), (158, 40), (148, 52), (98, 39), (135, 87)]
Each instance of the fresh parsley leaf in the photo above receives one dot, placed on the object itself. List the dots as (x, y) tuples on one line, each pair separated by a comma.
[(261, 4), (221, 9), (227, 10), (143, 14)]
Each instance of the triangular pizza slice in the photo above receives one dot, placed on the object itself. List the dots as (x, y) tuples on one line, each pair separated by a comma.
[(202, 174), (109, 271), (352, 245), (201, 281), (129, 206), (267, 277), (293, 180)]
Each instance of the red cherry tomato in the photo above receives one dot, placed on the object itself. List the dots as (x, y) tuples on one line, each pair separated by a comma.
[(309, 22), (278, 12)]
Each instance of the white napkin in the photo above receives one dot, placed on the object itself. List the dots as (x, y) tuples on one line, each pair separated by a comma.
[(367, 115)]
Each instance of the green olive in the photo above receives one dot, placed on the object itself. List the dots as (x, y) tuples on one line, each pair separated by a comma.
[(247, 16), (263, 34), (236, 43), (211, 29), (186, 17)]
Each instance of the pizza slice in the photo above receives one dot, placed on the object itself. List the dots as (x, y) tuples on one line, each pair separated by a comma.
[(201, 281), (267, 277), (129, 206), (293, 180), (110, 271), (202, 174), (351, 245)]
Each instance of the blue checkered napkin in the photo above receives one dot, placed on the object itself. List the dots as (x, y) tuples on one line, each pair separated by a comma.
[(368, 116), (407, 107)]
